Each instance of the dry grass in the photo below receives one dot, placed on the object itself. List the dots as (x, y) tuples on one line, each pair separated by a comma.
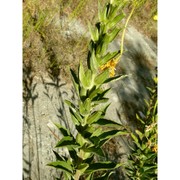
[(47, 47)]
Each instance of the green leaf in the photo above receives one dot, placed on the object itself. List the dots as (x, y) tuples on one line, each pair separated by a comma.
[(97, 132), (113, 23), (88, 79), (113, 13), (150, 167), (94, 92), (75, 81), (70, 104), (109, 123), (107, 57), (115, 78), (82, 75), (65, 166), (76, 118), (58, 157), (94, 32), (105, 176), (82, 167), (100, 101), (140, 134), (87, 105), (94, 150), (102, 166), (83, 92), (101, 78), (94, 117), (135, 140), (138, 118), (68, 142), (104, 109), (110, 134), (80, 139), (102, 12), (93, 63), (99, 97), (111, 36), (63, 130), (82, 109), (100, 16)]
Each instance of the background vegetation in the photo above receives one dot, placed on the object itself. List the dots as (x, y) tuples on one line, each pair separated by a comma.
[(47, 42)]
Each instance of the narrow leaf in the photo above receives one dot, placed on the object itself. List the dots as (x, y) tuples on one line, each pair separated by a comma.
[(68, 142), (107, 57), (115, 78), (105, 176), (63, 130), (75, 81), (58, 157), (139, 134), (74, 117), (106, 136), (109, 123), (94, 117), (115, 20), (111, 36), (93, 62), (101, 78), (102, 166), (63, 166), (94, 32)]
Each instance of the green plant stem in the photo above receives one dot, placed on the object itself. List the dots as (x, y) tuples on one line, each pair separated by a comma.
[(124, 30)]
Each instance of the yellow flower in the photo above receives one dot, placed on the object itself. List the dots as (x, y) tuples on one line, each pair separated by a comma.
[(111, 66), (155, 148), (155, 17)]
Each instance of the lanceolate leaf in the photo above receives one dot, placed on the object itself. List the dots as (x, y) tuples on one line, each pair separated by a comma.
[(101, 78), (110, 134), (95, 92), (83, 167), (58, 157), (100, 15), (110, 37), (139, 134), (63, 130), (94, 117), (102, 166), (86, 82), (75, 81), (87, 104), (94, 65), (115, 78), (108, 57), (68, 142), (100, 101), (114, 22), (135, 140), (105, 176), (88, 79), (76, 115), (65, 166), (94, 150), (113, 13), (94, 32), (70, 104), (109, 123)]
